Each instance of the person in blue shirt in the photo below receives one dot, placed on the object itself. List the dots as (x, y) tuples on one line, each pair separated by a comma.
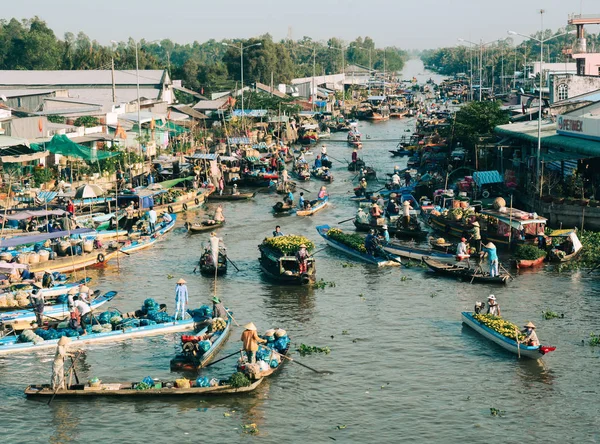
[(385, 234), (318, 163), (289, 199), (278, 232), (181, 298), (301, 202), (492, 254)]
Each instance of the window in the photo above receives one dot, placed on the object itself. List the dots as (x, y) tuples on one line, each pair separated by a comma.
[(563, 91)]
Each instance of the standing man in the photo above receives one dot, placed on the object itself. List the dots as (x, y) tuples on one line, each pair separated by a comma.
[(406, 213), (250, 341), (221, 185), (58, 366), (476, 236), (181, 298), (152, 219), (85, 313), (301, 201), (37, 302)]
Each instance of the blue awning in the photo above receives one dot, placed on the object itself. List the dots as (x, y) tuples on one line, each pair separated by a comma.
[(25, 240), (212, 156), (486, 177)]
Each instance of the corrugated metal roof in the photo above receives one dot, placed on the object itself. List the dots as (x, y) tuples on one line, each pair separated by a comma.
[(486, 177), (9, 93), (6, 141), (80, 77), (211, 104)]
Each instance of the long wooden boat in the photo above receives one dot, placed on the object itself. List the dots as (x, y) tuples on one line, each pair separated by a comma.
[(22, 319), (524, 263), (321, 203), (417, 254), (206, 266), (395, 229), (224, 196), (49, 293), (504, 342), (128, 389), (284, 269), (320, 173), (467, 274), (572, 242), (68, 264), (144, 198), (9, 345), (203, 227), (380, 262), (147, 241), (190, 360), (283, 208)]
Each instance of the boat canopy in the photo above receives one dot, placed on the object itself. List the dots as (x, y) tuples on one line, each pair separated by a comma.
[(486, 177), (518, 219), (25, 240), (21, 215)]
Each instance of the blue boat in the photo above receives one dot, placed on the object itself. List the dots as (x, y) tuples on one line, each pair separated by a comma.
[(319, 205), (49, 293), (504, 342), (418, 254), (147, 241), (22, 319), (191, 359), (380, 262)]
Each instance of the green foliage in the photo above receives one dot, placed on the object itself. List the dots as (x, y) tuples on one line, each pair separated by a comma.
[(42, 175), (87, 121), (57, 119), (261, 100), (528, 252), (477, 119), (310, 349), (238, 380), (552, 315)]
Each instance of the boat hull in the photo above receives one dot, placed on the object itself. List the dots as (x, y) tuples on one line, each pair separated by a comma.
[(523, 263), (184, 362), (468, 274), (314, 209)]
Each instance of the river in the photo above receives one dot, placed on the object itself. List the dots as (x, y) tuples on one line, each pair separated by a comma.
[(404, 368)]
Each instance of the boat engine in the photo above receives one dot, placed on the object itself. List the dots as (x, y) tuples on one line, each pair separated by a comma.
[(479, 306)]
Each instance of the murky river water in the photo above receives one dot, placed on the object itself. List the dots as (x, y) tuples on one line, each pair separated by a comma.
[(406, 371)]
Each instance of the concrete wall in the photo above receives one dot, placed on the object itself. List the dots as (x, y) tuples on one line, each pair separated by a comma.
[(567, 216), (577, 85)]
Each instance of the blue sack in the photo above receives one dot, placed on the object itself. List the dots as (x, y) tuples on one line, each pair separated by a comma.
[(204, 345), (202, 381), (274, 363), (148, 380)]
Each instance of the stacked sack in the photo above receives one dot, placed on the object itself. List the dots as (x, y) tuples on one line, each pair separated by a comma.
[(201, 314), (22, 299), (202, 381), (282, 341), (30, 336)]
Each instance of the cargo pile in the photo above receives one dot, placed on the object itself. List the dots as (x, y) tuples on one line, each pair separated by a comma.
[(288, 245), (504, 327), (354, 241)]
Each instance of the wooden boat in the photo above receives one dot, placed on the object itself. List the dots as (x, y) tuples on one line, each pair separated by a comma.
[(356, 166), (128, 389), (284, 269), (203, 226), (504, 342), (48, 293), (193, 359), (414, 231), (283, 208), (284, 188), (22, 319), (441, 246), (418, 254), (467, 274), (145, 197), (400, 152), (9, 345), (302, 172), (206, 266), (524, 263), (322, 173), (569, 248), (147, 241), (68, 264), (318, 206), (380, 262), (227, 196)]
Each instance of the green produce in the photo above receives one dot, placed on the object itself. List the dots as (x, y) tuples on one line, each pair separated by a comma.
[(310, 349), (289, 244), (528, 252), (354, 241), (238, 380)]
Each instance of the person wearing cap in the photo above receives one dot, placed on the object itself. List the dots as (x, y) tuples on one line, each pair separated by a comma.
[(58, 366), (219, 310), (385, 234), (37, 302), (181, 298), (363, 185), (250, 341), (493, 307), (406, 213), (531, 338), (375, 213), (492, 254), (462, 249), (302, 258), (48, 279), (476, 236)]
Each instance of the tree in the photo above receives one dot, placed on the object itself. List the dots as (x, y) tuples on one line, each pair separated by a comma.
[(477, 119)]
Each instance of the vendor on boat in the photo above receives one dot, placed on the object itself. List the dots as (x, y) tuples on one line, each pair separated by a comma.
[(301, 201), (151, 214), (476, 236), (167, 218), (181, 298), (354, 155), (493, 307), (58, 366), (302, 259), (375, 213), (219, 310), (250, 341), (289, 198), (48, 279), (407, 178), (318, 163), (71, 297), (371, 243), (221, 185), (385, 234), (363, 185), (492, 254), (462, 249), (531, 338), (84, 293), (84, 311), (219, 217), (395, 180), (406, 213), (322, 193), (234, 190), (392, 208), (278, 232), (37, 302)]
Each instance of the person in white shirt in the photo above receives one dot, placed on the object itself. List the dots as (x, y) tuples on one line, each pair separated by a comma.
[(152, 219), (493, 307), (84, 311), (396, 179)]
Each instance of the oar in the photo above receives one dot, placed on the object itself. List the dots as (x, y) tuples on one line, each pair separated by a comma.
[(298, 362), (506, 271), (318, 251), (518, 344), (338, 159), (231, 262), (304, 189), (222, 359), (352, 218), (71, 366), (124, 252), (74, 371)]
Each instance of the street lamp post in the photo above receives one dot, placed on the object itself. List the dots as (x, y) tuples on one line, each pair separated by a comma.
[(343, 49), (370, 64), (481, 46), (241, 48), (541, 41), (314, 86)]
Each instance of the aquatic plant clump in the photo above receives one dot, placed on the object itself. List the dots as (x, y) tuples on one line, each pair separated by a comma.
[(354, 241), (288, 244)]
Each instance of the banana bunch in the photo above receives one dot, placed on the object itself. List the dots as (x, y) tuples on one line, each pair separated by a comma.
[(288, 244), (498, 324)]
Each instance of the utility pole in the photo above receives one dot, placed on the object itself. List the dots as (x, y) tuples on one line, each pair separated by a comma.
[(112, 68)]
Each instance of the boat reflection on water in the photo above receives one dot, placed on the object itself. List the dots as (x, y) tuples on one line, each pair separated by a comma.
[(532, 371), (65, 422), (290, 302)]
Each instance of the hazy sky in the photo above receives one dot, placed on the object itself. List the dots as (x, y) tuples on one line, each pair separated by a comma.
[(406, 24)]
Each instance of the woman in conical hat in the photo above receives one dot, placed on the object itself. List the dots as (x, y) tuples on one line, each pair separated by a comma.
[(58, 366), (250, 341)]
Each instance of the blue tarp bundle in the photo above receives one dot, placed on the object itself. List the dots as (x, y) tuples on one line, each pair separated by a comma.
[(486, 177)]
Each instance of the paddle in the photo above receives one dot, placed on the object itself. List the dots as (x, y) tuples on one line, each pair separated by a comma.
[(124, 252), (222, 359), (71, 366), (74, 371), (518, 344), (337, 159), (318, 251), (506, 271), (347, 220), (231, 262), (298, 362)]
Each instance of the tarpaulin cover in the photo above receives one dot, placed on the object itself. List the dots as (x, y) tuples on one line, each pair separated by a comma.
[(27, 214), (486, 177), (61, 144), (24, 240)]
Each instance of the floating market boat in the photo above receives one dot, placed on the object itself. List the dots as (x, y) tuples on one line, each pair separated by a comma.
[(505, 342), (162, 199), (318, 206), (10, 345), (144, 242), (227, 196), (204, 226), (355, 251), (465, 273), (302, 171), (278, 260), (207, 266), (48, 293), (22, 319), (415, 253), (567, 250), (128, 389), (193, 356), (283, 208), (525, 263), (323, 174)]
